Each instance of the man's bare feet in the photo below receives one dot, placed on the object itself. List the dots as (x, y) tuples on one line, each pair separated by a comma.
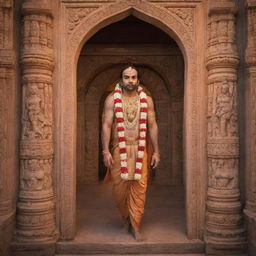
[(126, 226), (138, 236)]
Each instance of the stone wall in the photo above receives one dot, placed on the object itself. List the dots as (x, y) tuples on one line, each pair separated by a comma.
[(9, 120), (250, 117)]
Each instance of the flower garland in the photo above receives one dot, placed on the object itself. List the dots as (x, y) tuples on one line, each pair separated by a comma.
[(118, 108)]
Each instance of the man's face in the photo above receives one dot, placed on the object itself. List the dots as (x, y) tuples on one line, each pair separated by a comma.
[(130, 79)]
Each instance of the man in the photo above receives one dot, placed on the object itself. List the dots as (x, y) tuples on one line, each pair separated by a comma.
[(129, 117)]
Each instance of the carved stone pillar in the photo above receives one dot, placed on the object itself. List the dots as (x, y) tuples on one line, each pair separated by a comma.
[(36, 213), (225, 234), (250, 211)]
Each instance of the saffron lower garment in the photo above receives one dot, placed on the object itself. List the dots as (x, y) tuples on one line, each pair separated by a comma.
[(130, 195)]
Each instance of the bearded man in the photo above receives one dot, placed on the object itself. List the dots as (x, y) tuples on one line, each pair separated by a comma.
[(128, 119)]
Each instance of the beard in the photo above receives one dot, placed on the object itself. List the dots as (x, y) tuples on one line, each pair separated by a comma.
[(129, 87)]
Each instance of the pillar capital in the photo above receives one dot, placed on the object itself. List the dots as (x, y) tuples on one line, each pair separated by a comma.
[(36, 7), (251, 4), (222, 7)]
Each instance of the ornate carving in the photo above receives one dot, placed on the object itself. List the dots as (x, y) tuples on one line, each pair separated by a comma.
[(36, 220), (32, 220), (36, 149), (223, 216), (36, 175), (224, 109), (76, 15), (223, 219), (223, 173), (222, 61), (221, 30), (185, 14), (223, 116), (37, 121), (110, 12), (223, 148), (37, 33)]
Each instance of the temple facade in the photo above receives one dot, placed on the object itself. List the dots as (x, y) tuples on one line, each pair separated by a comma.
[(59, 59)]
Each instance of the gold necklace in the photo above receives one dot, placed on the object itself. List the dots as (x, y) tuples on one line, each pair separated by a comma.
[(131, 110)]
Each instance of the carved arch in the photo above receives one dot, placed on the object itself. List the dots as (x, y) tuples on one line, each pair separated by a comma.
[(66, 137)]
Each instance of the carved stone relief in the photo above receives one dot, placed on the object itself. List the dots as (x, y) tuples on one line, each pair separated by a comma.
[(223, 215), (221, 30), (36, 175), (37, 114), (36, 216), (37, 33), (222, 110), (76, 15), (223, 173), (185, 14)]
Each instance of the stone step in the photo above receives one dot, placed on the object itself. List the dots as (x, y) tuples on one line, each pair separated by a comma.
[(142, 248), (130, 254)]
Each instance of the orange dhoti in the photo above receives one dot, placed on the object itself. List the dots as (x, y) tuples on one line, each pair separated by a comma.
[(130, 195)]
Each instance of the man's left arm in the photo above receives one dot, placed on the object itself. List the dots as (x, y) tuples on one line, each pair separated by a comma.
[(153, 133)]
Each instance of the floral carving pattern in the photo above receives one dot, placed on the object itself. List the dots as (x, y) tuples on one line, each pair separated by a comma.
[(186, 15), (76, 15)]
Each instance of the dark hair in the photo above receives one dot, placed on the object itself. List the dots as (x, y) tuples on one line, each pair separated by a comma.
[(129, 66)]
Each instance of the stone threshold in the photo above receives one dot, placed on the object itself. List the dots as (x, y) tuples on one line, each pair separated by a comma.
[(120, 248), (130, 254)]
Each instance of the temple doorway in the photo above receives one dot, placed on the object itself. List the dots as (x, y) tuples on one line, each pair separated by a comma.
[(161, 66)]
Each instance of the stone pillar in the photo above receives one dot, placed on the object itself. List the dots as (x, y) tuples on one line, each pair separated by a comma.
[(250, 209), (225, 234), (8, 124), (36, 212)]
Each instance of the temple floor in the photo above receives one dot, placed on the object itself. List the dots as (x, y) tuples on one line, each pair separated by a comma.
[(99, 224), (98, 218)]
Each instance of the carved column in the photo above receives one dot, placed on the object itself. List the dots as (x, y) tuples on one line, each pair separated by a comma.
[(36, 213), (225, 234), (250, 211)]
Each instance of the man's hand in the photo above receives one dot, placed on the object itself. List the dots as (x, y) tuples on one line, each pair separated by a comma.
[(108, 159), (155, 160)]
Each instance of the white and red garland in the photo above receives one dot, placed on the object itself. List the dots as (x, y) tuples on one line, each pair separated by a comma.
[(120, 130)]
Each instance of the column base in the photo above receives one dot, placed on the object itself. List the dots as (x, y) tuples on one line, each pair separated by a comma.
[(33, 248), (7, 227), (225, 248), (250, 220)]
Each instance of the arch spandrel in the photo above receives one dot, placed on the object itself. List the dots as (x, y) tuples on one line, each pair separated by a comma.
[(161, 17), (72, 45)]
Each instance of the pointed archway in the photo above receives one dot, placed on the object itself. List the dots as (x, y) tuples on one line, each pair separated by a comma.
[(194, 164)]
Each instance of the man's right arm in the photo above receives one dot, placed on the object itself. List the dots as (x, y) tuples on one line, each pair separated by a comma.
[(107, 121)]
